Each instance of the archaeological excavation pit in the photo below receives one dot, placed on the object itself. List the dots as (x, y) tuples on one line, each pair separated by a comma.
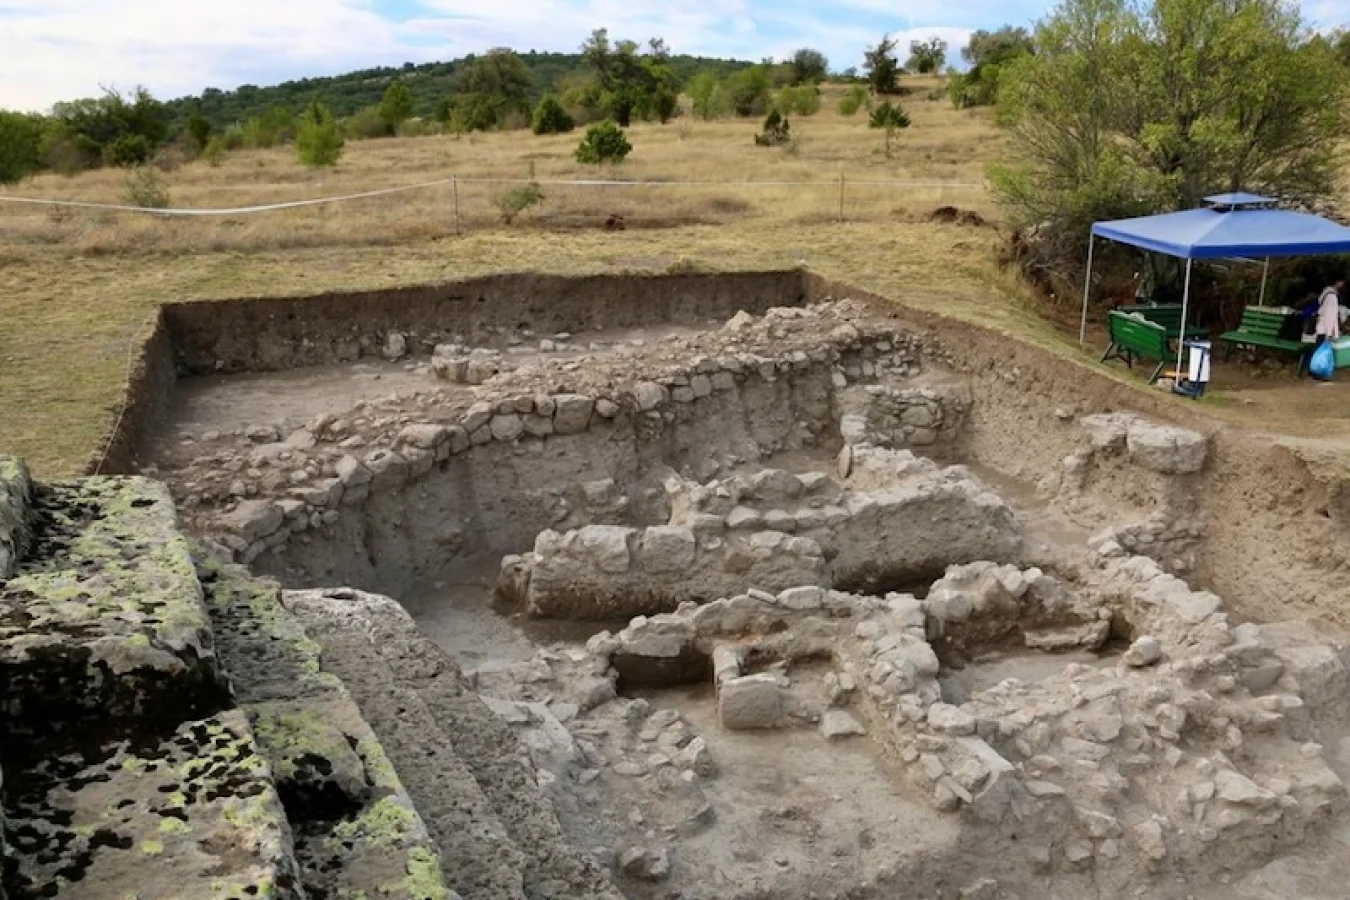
[(711, 586)]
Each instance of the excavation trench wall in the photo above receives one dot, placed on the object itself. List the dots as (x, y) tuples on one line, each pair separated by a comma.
[(265, 334), (1274, 540), (1276, 524)]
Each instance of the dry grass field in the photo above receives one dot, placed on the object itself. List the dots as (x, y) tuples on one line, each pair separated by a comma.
[(77, 287)]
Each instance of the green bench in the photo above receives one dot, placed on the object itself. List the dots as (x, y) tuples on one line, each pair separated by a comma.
[(1134, 338), (1261, 326), (1168, 315)]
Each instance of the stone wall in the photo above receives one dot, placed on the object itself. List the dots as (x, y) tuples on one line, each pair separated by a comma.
[(269, 334), (1200, 749), (486, 477)]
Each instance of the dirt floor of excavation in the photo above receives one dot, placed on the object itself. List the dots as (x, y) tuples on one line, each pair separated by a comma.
[(228, 403)]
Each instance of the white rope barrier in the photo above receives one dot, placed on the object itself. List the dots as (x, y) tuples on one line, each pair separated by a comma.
[(318, 201)]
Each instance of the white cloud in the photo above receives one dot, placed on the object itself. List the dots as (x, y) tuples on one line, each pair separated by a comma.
[(62, 49)]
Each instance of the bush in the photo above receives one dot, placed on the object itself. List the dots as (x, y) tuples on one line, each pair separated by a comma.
[(63, 157), (127, 151), (199, 128), (233, 137), (365, 124), (413, 128), (776, 131), (318, 141), (706, 95), (214, 151), (803, 100), (604, 142), (20, 145), (396, 105), (551, 118), (857, 98), (275, 126), (517, 200), (747, 91), (889, 116), (145, 189)]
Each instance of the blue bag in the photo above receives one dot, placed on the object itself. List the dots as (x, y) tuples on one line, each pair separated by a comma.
[(1323, 362)]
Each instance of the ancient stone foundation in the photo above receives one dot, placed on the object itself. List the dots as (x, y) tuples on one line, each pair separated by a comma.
[(791, 602)]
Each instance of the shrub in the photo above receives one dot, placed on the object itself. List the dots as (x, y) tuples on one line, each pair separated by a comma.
[(318, 141), (706, 95), (776, 131), (127, 151), (365, 124), (888, 115), (233, 137), (803, 100), (604, 142), (417, 128), (551, 118), (199, 128), (747, 90), (63, 156), (214, 151), (517, 200), (396, 105), (144, 188), (20, 145), (855, 99)]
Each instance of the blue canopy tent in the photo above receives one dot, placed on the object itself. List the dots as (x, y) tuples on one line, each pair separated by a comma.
[(1233, 226)]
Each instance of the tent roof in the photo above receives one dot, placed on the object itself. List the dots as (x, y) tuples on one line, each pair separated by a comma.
[(1239, 198), (1215, 234)]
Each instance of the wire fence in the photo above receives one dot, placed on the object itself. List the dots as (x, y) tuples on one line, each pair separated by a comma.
[(458, 204)]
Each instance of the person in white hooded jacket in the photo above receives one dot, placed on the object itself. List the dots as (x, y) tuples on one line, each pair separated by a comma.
[(1329, 312)]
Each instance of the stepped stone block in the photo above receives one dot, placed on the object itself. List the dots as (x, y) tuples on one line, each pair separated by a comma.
[(195, 815), (103, 618), (356, 830)]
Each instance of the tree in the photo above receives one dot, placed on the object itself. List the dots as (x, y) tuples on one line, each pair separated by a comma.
[(112, 129), (890, 117), (626, 83), (489, 87), (808, 66), (987, 53), (985, 47), (443, 110), (199, 128), (396, 105), (883, 70), (705, 94), (20, 145), (748, 91), (604, 142), (318, 140), (927, 57), (551, 118), (1123, 111)]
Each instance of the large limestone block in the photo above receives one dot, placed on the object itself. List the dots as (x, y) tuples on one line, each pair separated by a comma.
[(1165, 448)]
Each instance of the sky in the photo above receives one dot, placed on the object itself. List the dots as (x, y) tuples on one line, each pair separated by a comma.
[(53, 50)]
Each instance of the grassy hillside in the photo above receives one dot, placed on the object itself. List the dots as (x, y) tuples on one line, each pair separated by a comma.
[(345, 94)]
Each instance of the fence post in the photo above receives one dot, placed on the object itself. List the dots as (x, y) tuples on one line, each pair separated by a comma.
[(841, 195), (454, 190)]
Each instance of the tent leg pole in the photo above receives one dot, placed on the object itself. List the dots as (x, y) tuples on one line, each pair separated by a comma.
[(1185, 304), (1264, 273), (1087, 285)]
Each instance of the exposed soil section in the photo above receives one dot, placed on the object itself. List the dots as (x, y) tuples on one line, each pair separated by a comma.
[(855, 666)]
